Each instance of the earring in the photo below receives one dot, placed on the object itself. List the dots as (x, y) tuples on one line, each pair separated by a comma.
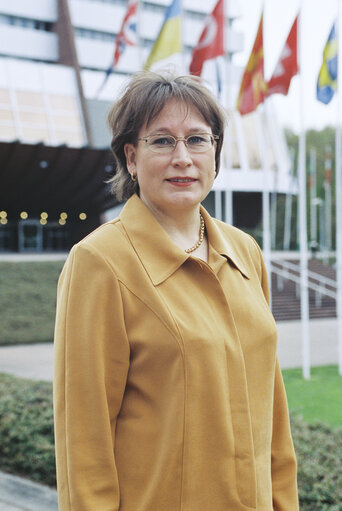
[(133, 177)]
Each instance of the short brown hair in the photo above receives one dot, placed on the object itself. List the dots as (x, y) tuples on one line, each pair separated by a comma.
[(143, 99)]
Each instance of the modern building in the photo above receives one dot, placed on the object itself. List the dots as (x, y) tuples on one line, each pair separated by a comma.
[(54, 157)]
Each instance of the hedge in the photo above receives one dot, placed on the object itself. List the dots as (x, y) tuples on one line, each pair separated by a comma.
[(26, 444), (26, 429)]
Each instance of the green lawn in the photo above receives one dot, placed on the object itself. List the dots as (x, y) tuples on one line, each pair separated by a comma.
[(318, 399), (28, 301)]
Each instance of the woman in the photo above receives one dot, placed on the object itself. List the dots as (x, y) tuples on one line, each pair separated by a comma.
[(168, 395)]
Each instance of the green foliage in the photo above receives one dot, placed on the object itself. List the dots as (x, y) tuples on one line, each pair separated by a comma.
[(26, 429), (28, 301), (319, 456), (318, 399)]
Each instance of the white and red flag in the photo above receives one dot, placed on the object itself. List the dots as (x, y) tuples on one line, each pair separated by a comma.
[(287, 66), (127, 36), (128, 31), (211, 41)]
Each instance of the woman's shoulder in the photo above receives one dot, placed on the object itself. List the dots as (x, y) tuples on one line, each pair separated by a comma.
[(106, 242)]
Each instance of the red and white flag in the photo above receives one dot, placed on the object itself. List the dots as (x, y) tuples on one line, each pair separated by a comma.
[(128, 31), (287, 66), (211, 42)]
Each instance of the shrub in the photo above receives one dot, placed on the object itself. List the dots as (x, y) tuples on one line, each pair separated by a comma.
[(319, 455), (26, 429), (27, 448)]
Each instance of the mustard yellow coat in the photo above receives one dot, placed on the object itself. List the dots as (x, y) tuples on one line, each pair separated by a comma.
[(168, 394)]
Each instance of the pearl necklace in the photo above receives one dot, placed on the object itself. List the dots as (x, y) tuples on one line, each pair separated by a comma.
[(201, 237)]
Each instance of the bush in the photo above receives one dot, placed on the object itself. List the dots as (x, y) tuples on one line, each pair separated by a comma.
[(26, 429), (319, 455), (27, 444)]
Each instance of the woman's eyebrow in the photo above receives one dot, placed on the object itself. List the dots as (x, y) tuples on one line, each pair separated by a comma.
[(163, 130)]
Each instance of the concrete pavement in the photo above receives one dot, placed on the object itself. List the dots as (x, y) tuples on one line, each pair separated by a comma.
[(19, 494), (36, 362)]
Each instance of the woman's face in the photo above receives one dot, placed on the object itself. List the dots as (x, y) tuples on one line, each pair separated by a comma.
[(177, 180)]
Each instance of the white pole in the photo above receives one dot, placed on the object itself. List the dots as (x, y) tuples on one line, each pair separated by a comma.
[(274, 197), (288, 207), (218, 204), (313, 193), (304, 291), (266, 234), (327, 188), (229, 106), (339, 194)]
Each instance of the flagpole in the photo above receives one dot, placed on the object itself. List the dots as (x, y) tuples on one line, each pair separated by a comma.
[(304, 291), (338, 148), (288, 206), (327, 190), (140, 49), (313, 194), (229, 106)]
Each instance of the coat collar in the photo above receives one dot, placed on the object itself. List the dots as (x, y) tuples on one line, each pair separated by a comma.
[(157, 252)]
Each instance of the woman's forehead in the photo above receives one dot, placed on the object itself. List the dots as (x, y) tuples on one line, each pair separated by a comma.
[(176, 110)]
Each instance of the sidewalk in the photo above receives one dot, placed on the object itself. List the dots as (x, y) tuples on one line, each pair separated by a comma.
[(35, 361), (19, 494)]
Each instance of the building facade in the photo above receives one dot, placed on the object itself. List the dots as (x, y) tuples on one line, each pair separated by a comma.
[(53, 61)]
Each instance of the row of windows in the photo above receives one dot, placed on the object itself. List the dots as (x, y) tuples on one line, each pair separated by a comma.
[(25, 23), (116, 2), (94, 34)]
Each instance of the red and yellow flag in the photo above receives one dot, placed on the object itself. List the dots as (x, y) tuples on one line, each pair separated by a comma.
[(253, 86)]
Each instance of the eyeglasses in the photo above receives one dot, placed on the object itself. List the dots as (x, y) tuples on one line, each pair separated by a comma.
[(195, 143)]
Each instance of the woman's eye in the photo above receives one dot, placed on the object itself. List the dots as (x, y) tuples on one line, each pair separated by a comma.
[(197, 140), (163, 141)]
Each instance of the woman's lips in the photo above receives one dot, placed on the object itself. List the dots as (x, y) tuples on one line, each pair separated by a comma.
[(182, 181)]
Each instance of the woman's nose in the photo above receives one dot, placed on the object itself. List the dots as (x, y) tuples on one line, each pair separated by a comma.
[(181, 154)]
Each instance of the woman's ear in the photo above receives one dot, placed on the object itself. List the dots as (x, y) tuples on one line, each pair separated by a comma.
[(130, 153)]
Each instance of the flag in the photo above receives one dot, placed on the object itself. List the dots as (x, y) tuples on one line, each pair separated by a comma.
[(287, 66), (253, 86), (128, 31), (211, 41), (327, 78), (126, 36), (168, 41)]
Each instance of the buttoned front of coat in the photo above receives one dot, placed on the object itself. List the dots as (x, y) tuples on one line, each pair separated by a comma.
[(168, 394)]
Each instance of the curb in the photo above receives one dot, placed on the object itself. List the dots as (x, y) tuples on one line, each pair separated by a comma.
[(21, 494)]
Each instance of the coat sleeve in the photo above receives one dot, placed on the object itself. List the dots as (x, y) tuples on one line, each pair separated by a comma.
[(91, 365), (283, 462)]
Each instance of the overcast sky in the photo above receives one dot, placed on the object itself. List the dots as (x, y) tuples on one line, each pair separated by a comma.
[(317, 19)]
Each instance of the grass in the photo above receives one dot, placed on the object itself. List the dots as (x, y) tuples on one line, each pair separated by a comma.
[(28, 301), (318, 399)]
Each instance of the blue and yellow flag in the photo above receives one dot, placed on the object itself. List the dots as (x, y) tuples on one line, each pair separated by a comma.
[(169, 40), (327, 78)]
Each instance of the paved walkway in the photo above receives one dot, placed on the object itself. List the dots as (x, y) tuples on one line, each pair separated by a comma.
[(19, 494), (36, 362)]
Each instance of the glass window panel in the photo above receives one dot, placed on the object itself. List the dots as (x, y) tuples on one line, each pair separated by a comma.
[(69, 138), (62, 102), (5, 97), (31, 99), (69, 122), (6, 114), (33, 117), (35, 134), (7, 132)]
